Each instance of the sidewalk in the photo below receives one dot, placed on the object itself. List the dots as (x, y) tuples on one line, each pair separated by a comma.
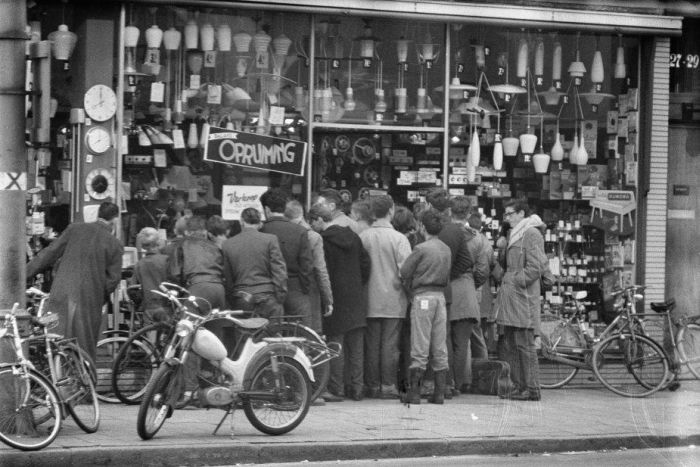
[(569, 419)]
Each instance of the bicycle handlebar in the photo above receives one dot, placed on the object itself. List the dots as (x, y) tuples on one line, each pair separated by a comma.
[(169, 286)]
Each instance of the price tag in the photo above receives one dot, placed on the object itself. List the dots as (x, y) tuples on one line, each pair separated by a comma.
[(276, 115), (214, 94), (195, 81), (159, 158), (178, 139), (157, 91)]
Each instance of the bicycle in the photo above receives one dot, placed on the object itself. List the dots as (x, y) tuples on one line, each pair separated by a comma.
[(623, 358), (35, 414)]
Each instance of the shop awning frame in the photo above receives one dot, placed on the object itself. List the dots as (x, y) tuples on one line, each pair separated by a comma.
[(460, 12)]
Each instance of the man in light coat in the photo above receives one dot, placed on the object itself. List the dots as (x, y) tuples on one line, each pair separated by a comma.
[(518, 300), (386, 299)]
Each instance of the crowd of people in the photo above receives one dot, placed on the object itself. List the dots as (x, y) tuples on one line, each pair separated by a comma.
[(407, 293)]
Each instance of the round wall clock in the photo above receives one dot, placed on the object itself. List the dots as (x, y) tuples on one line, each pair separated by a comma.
[(98, 139), (100, 102), (99, 184)]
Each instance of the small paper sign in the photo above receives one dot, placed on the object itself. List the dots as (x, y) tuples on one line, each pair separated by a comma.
[(195, 81), (210, 59), (178, 139), (214, 94), (276, 115), (159, 158), (157, 91), (236, 198)]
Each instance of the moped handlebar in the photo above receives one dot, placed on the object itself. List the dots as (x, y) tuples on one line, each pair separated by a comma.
[(169, 287)]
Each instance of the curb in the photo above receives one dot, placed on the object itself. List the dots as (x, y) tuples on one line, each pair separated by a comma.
[(232, 453)]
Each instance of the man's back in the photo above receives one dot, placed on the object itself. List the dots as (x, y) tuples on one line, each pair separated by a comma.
[(253, 262), (294, 243)]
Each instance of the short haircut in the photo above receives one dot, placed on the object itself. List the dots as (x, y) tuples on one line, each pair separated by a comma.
[(251, 216), (362, 210), (381, 205), (332, 196), (216, 225), (196, 224), (439, 199), (320, 212), (180, 226), (107, 211), (148, 239), (518, 205), (293, 209), (460, 207), (275, 199), (475, 221), (418, 208), (403, 220), (432, 221)]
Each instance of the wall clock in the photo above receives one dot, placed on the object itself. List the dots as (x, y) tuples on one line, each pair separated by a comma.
[(100, 102), (98, 140), (99, 184)]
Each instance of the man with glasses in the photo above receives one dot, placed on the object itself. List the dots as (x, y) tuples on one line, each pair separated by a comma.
[(518, 300)]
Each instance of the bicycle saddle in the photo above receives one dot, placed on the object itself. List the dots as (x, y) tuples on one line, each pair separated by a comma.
[(249, 323), (662, 307)]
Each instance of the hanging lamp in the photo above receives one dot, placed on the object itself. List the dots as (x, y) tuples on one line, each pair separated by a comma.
[(171, 39), (577, 69), (506, 89), (206, 37), (63, 40), (191, 34), (541, 160), (223, 37), (620, 67), (553, 94), (539, 61)]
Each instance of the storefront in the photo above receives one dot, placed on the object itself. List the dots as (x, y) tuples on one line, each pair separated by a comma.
[(214, 101)]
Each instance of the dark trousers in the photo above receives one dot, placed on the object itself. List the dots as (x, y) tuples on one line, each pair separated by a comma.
[(382, 352), (458, 334), (520, 353), (297, 302), (347, 369)]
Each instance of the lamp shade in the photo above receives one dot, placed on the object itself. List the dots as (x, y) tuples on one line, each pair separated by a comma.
[(62, 42), (597, 73), (528, 142), (204, 136), (582, 154), (172, 38), (402, 49), (577, 69), (551, 96), (521, 71), (192, 137), (510, 146), (281, 44), (620, 67), (154, 37), (260, 41), (475, 148), (541, 162), (223, 37), (195, 61), (557, 150), (131, 36), (206, 37), (241, 40), (191, 34), (498, 153), (573, 153), (539, 57), (350, 103), (480, 56), (556, 61)]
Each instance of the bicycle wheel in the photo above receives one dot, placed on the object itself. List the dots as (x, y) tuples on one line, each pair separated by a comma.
[(158, 403), (630, 365), (30, 411), (291, 388), (689, 347), (553, 374), (107, 350), (319, 359), (136, 360), (76, 388)]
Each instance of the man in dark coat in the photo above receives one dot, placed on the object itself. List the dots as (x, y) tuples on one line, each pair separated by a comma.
[(294, 243), (348, 267), (89, 270)]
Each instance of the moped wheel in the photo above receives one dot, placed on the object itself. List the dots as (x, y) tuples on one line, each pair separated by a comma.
[(290, 387), (318, 358), (157, 403), (630, 365), (77, 389), (32, 418), (689, 347)]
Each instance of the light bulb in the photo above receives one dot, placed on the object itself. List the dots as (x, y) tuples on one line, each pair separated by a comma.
[(498, 153)]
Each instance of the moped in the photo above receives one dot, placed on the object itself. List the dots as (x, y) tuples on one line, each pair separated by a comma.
[(269, 377)]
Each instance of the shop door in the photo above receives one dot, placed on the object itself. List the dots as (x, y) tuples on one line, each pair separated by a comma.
[(683, 226)]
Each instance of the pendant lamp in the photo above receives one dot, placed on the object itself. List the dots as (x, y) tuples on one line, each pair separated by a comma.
[(192, 137), (62, 42), (402, 45), (191, 34), (475, 148), (281, 44), (480, 55), (573, 153), (582, 154), (498, 152), (204, 136), (523, 56), (206, 37), (577, 69), (556, 63), (223, 37), (241, 41), (171, 39), (539, 61), (541, 159), (557, 150), (154, 37), (131, 39), (620, 67), (510, 143)]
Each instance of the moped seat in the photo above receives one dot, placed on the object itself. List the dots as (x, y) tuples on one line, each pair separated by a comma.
[(662, 307), (249, 323)]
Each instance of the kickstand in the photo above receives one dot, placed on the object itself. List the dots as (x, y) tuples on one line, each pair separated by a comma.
[(230, 411)]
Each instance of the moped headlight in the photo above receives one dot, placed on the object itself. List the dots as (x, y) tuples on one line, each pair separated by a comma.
[(184, 328)]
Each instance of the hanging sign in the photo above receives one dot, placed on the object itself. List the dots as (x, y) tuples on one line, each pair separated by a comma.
[(236, 198), (255, 151)]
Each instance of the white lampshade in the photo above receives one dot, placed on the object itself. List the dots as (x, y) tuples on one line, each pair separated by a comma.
[(557, 150), (154, 37), (539, 57), (131, 36), (260, 41), (528, 142), (498, 153), (620, 67), (427, 48), (541, 162), (206, 37), (195, 61), (402, 49), (172, 38), (510, 146), (475, 148), (192, 137), (582, 154), (241, 41), (573, 153), (62, 42), (551, 96), (223, 37), (597, 73), (281, 44), (350, 103), (480, 56), (521, 71), (577, 69), (191, 34), (556, 61), (380, 104), (204, 136)]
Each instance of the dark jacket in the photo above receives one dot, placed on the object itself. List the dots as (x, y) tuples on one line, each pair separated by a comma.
[(348, 267), (195, 260), (294, 244)]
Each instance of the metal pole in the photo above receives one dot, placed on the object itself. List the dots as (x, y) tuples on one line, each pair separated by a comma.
[(13, 156)]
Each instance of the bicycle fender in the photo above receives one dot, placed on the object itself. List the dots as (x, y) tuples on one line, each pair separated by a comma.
[(278, 349)]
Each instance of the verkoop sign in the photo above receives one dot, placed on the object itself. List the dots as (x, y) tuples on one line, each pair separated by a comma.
[(255, 151)]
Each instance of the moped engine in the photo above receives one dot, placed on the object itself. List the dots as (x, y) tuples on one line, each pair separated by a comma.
[(215, 396)]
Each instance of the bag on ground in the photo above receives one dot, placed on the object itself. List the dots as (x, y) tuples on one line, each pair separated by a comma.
[(491, 377)]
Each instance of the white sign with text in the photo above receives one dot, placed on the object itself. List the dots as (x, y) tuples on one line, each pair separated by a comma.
[(236, 198)]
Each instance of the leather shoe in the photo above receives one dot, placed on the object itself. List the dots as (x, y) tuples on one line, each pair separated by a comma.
[(525, 396), (330, 397)]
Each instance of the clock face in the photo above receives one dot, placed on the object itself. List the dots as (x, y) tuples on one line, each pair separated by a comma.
[(98, 139), (99, 184), (100, 102)]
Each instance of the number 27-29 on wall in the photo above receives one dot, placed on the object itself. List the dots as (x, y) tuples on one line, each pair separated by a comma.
[(689, 60)]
